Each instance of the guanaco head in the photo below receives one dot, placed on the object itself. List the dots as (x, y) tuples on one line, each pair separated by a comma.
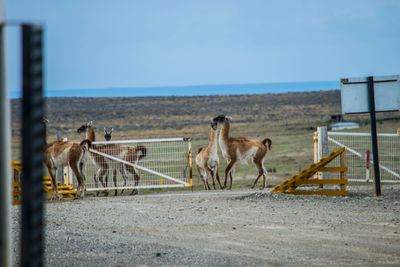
[(107, 135), (45, 121), (84, 127), (214, 125), (222, 118)]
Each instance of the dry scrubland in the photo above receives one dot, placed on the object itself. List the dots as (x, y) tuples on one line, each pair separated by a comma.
[(288, 119)]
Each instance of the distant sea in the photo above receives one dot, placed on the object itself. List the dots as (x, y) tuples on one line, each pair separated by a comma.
[(194, 90)]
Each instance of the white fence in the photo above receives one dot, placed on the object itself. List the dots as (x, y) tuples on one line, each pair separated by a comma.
[(135, 164), (356, 146)]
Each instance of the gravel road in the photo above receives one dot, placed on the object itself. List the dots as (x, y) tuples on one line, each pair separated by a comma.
[(228, 228)]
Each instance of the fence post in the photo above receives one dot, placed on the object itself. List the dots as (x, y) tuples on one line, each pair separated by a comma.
[(323, 151), (315, 138), (60, 172), (190, 162), (367, 158), (342, 174)]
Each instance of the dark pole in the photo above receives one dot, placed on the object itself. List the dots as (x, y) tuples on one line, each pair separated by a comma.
[(32, 147), (371, 101)]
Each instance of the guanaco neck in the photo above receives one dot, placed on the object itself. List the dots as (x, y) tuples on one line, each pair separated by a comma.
[(224, 134), (46, 145), (90, 134), (45, 134), (212, 145)]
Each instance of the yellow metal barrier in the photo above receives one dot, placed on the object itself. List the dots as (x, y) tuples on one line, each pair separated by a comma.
[(66, 191), (289, 186)]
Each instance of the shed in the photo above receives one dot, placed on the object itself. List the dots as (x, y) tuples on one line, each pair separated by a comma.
[(344, 125)]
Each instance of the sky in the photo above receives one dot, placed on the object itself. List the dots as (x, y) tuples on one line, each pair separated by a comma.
[(132, 43)]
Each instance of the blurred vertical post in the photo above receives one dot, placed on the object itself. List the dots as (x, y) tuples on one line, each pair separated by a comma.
[(5, 181), (32, 146)]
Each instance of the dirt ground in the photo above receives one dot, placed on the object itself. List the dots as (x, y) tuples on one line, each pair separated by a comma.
[(223, 228)]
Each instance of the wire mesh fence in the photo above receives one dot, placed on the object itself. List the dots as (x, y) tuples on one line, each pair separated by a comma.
[(357, 145), (150, 163)]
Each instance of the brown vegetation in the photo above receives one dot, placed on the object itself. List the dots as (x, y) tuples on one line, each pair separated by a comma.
[(146, 117)]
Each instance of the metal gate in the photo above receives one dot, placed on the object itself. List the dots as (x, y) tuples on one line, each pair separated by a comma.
[(357, 144), (130, 164)]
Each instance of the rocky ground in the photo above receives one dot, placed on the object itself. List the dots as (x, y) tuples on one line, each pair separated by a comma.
[(228, 228)]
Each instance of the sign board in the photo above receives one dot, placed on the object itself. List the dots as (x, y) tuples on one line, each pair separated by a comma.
[(354, 94)]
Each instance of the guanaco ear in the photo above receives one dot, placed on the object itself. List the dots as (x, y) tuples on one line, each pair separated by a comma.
[(90, 124), (105, 131), (229, 118), (111, 130)]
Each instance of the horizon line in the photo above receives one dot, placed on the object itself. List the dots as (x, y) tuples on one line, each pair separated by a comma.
[(181, 86)]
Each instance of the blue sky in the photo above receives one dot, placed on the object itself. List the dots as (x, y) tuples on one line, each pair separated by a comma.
[(130, 43)]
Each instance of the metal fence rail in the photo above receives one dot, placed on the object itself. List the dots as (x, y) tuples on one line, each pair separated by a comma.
[(356, 146)]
